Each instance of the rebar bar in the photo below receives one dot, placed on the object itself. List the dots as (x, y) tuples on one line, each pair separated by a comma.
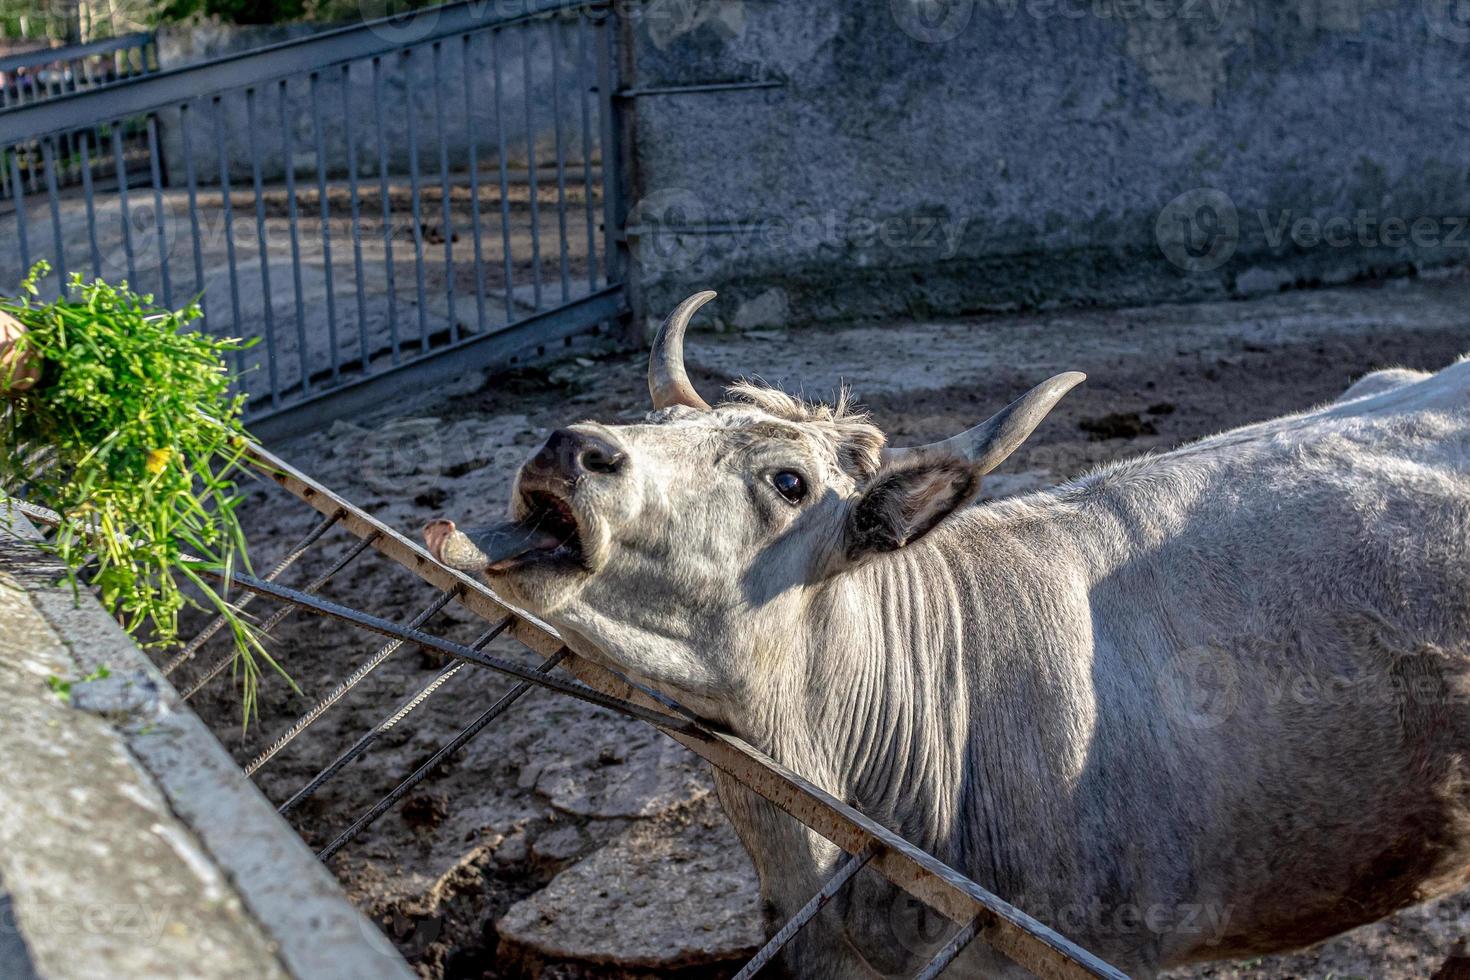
[(340, 691), (383, 727), (216, 668), (449, 748)]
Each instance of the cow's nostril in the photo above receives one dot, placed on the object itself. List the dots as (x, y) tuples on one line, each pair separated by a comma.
[(601, 459)]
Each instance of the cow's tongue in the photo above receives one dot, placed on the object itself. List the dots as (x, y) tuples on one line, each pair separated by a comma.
[(492, 547)]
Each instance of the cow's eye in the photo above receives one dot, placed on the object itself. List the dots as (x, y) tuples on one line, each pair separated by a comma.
[(789, 485)]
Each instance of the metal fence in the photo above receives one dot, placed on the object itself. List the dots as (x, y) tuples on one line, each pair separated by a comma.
[(361, 202), (975, 912), (46, 73)]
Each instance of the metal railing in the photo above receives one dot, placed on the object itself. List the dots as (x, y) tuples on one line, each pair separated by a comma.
[(46, 73), (975, 912), (360, 204)]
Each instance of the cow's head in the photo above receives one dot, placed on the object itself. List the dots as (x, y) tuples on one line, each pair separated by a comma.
[(688, 548)]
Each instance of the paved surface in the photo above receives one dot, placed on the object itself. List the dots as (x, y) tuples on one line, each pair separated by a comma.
[(130, 845)]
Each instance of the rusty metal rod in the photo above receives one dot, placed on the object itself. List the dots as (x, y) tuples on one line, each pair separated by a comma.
[(340, 691), (952, 949), (301, 547), (851, 865), (216, 668), (459, 651), (449, 748), (383, 727)]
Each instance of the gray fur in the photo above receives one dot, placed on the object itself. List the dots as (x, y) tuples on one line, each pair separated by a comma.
[(1202, 704)]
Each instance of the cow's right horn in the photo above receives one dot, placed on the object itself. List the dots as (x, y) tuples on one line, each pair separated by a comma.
[(668, 384), (988, 444)]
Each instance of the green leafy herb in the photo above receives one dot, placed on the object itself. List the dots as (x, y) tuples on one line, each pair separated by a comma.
[(132, 435)]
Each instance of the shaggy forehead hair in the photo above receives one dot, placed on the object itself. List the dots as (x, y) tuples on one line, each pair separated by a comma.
[(844, 428)]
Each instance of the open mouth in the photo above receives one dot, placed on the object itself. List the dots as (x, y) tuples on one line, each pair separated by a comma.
[(546, 533), (552, 532)]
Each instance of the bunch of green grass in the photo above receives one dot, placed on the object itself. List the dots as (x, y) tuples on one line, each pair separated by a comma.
[(132, 435)]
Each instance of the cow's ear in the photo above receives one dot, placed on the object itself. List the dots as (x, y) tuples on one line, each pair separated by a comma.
[(904, 501)]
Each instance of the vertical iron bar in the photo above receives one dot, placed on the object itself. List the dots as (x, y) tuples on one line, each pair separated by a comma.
[(260, 236), (387, 209), (321, 191), (351, 138), (413, 189), (609, 150), (191, 178), (89, 197), (48, 151), (121, 166), (20, 213), (474, 161), (495, 53), (159, 219), (224, 189), (288, 154), (552, 33), (531, 167), (448, 218)]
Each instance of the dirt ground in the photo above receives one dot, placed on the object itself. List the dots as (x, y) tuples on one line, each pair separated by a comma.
[(554, 785)]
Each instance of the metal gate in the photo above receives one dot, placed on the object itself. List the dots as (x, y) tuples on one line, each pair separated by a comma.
[(407, 198)]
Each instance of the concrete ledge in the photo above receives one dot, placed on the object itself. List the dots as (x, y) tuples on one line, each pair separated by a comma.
[(130, 843)]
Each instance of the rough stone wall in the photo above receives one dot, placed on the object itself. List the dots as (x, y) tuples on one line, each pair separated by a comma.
[(130, 843), (948, 156)]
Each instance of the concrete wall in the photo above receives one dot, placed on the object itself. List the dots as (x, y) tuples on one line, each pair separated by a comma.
[(130, 843), (950, 156)]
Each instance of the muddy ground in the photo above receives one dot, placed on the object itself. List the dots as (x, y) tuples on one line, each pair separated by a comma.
[(564, 835)]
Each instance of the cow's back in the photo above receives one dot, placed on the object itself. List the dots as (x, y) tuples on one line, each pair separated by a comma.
[(1282, 654)]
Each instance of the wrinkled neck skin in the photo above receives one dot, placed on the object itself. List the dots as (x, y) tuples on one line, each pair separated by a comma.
[(900, 692)]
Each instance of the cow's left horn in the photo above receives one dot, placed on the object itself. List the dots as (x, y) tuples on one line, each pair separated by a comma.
[(668, 383), (988, 444)]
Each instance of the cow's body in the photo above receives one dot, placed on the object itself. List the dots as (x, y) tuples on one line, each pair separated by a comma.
[(1203, 704)]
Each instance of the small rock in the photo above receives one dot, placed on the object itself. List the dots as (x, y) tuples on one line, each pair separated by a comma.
[(665, 895), (558, 846)]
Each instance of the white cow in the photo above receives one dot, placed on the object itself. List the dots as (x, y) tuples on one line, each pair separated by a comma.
[(1204, 704)]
